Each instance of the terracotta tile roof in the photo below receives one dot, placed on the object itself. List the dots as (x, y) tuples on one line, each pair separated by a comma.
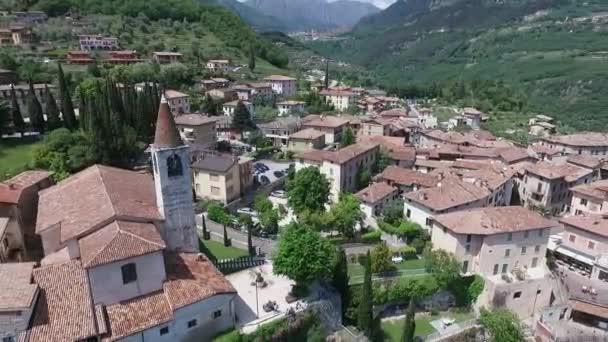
[(307, 134), (513, 154), (586, 139), (138, 314), (486, 177), (94, 196), (551, 170), (394, 112), (215, 163), (11, 190), (288, 122), (340, 156), (64, 311), (589, 162), (493, 220), (597, 189), (591, 223), (325, 122), (194, 120), (18, 291), (337, 92), (448, 194), (174, 94), (59, 257), (401, 176), (118, 241), (589, 308), (166, 135), (542, 150), (279, 78), (376, 192), (478, 138), (436, 164), (191, 278)]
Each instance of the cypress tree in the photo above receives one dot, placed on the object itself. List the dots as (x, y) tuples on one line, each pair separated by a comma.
[(327, 74), (67, 107), (365, 315), (251, 57), (409, 326), (205, 237), (18, 122), (34, 110), (250, 239), (242, 118), (340, 278), (52, 112), (226, 240), (210, 106)]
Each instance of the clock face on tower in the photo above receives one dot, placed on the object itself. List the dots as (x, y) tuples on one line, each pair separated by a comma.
[(174, 166)]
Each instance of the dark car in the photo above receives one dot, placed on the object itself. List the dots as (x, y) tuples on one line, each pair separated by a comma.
[(264, 180), (278, 174)]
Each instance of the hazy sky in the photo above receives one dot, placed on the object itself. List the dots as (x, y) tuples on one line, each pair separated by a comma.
[(378, 3)]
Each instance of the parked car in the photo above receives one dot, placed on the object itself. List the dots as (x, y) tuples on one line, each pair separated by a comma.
[(247, 211), (278, 174), (279, 194), (264, 180)]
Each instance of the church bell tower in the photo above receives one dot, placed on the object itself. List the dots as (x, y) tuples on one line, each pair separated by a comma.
[(173, 182)]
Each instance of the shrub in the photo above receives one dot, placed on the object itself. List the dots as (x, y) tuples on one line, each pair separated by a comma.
[(217, 213), (371, 237), (408, 253)]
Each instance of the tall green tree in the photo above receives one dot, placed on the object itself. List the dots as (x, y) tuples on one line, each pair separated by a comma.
[(327, 74), (381, 259), (35, 110), (308, 191), (303, 255), (5, 115), (362, 177), (340, 278), (53, 120), (443, 266), (210, 106), (409, 326), (252, 57), (67, 107), (365, 314), (16, 116), (269, 217), (345, 214), (205, 232), (241, 120), (502, 324), (348, 138)]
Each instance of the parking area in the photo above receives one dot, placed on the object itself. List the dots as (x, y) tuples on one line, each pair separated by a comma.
[(270, 169)]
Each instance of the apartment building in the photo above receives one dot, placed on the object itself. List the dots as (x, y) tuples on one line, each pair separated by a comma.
[(450, 195), (279, 130), (332, 126), (585, 243), (340, 98), (178, 102), (376, 198), (283, 85), (261, 90), (306, 139), (19, 296), (395, 148), (222, 94), (290, 107), (342, 166), (15, 36), (163, 57), (98, 42), (590, 198), (228, 108), (546, 185), (217, 177), (197, 129), (589, 143), (219, 66), (212, 83), (374, 127), (504, 245)]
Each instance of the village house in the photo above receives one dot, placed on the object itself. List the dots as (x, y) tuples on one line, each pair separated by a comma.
[(18, 210), (370, 104), (584, 243), (197, 129), (504, 245), (98, 42), (212, 83), (590, 143), (306, 139), (290, 107), (29, 17), (228, 108), (450, 195), (282, 85), (394, 148), (243, 92), (218, 66), (406, 180), (217, 177), (222, 94), (178, 102), (541, 125), (590, 198), (167, 57), (261, 90), (375, 127), (122, 57), (19, 295), (15, 35), (332, 126), (340, 98), (341, 167), (546, 185), (135, 255), (22, 91), (479, 138), (80, 57), (376, 198), (279, 130)]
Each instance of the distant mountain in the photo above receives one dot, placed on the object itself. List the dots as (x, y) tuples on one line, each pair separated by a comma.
[(301, 15), (255, 18), (554, 51)]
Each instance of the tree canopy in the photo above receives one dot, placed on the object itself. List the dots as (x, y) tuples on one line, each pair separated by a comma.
[(241, 120), (502, 324), (34, 110), (345, 215), (303, 255), (443, 266), (348, 138), (308, 191), (64, 152)]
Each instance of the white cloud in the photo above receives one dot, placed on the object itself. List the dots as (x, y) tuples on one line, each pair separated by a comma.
[(379, 3)]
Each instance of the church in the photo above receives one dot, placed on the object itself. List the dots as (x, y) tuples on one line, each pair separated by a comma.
[(121, 255)]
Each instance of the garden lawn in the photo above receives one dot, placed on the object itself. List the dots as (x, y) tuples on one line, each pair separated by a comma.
[(222, 252), (356, 270), (15, 155), (393, 329)]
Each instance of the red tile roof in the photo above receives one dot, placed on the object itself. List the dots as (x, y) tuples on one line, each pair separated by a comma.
[(407, 177), (551, 170), (11, 190), (597, 189), (591, 223), (324, 121), (585, 139), (448, 194), (340, 156), (118, 241), (97, 195), (18, 291), (376, 192)]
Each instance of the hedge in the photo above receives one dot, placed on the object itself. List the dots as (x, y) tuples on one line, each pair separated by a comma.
[(371, 237)]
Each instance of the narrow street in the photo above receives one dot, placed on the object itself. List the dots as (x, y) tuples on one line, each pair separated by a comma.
[(239, 239)]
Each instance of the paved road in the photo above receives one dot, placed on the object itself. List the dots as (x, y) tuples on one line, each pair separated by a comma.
[(239, 239)]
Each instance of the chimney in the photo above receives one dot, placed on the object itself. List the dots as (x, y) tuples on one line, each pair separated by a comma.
[(200, 257)]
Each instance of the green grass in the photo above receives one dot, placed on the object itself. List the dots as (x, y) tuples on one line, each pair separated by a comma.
[(222, 252), (15, 155), (393, 329), (356, 271)]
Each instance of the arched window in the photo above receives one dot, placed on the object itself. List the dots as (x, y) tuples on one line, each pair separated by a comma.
[(174, 166)]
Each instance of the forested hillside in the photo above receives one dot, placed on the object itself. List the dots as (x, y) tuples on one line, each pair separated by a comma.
[(554, 51)]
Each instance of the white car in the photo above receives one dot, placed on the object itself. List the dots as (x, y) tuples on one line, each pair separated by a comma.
[(247, 211), (397, 259), (279, 194)]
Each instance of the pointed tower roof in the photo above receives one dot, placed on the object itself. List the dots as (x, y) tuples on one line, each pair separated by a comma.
[(167, 135)]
